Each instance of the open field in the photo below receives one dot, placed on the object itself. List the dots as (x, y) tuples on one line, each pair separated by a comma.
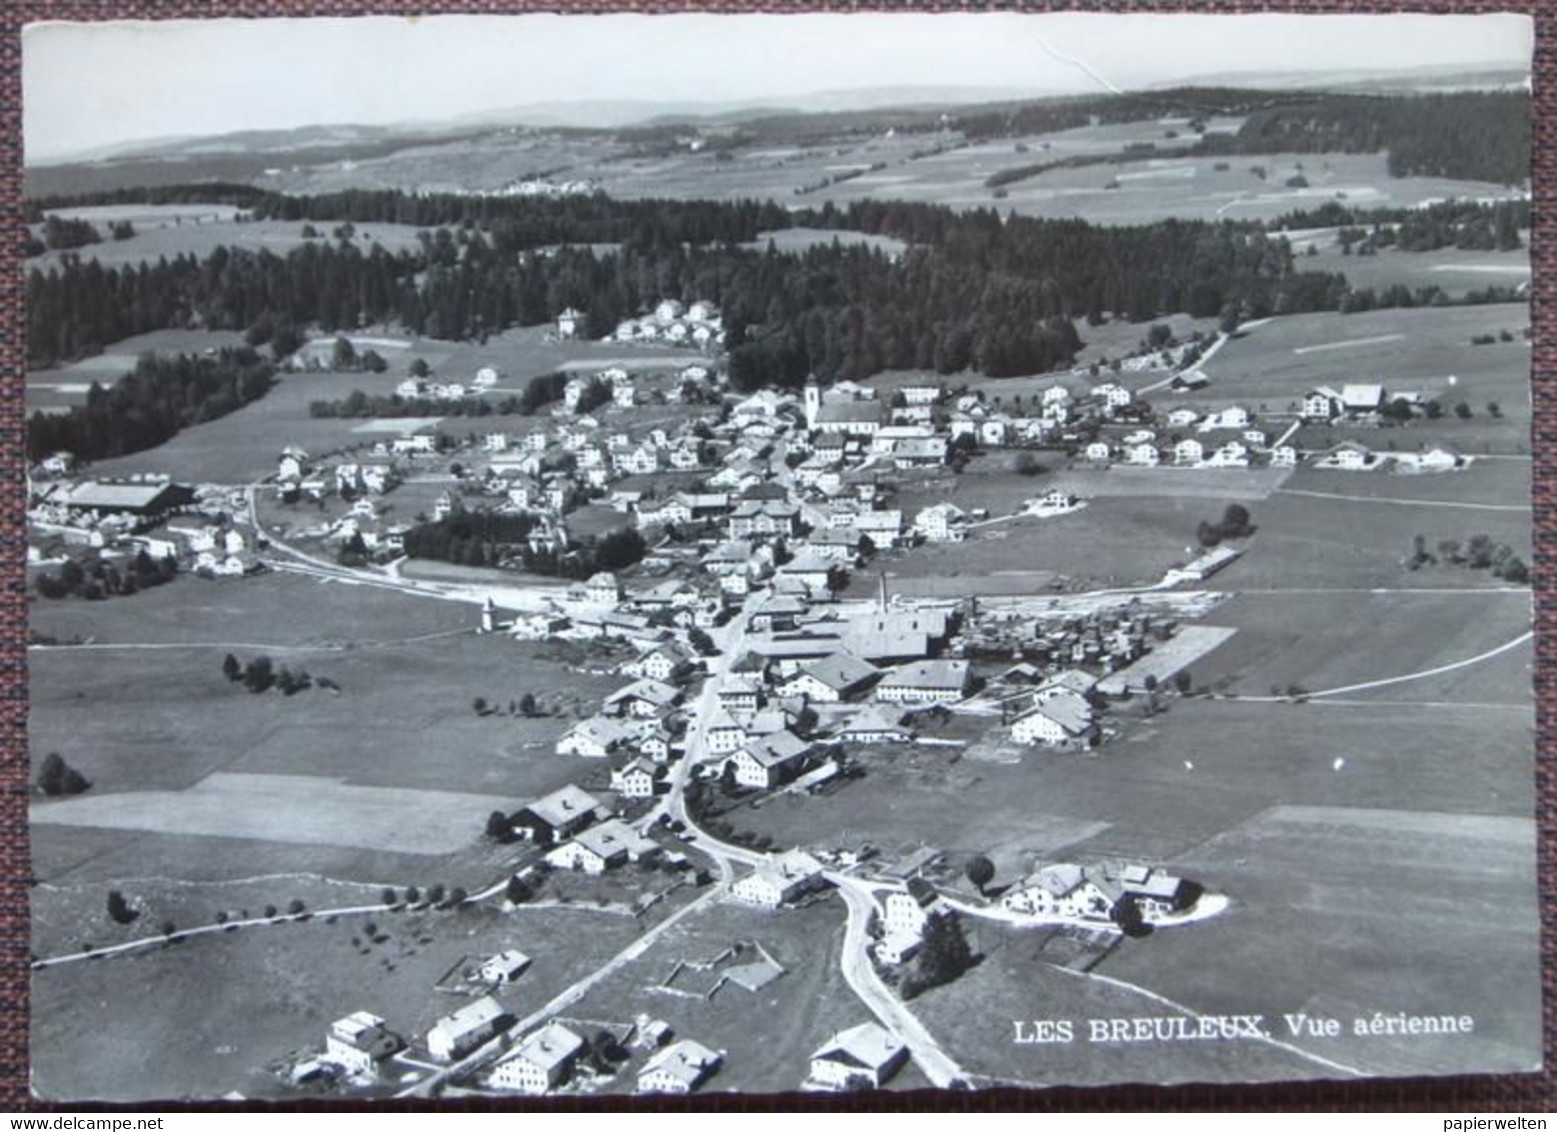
[(1455, 271), (1319, 894), (280, 612), (58, 389), (1193, 188), (976, 1019), (1135, 798), (1326, 897), (186, 1021), (799, 240), (1304, 542), (293, 809), (164, 720), (1114, 540), (163, 237)]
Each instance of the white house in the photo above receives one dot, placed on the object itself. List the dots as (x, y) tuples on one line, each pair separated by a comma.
[(540, 1063), (779, 880), (1061, 720), (926, 682), (942, 522), (679, 1068), (503, 968), (1063, 890), (359, 1042), (455, 1035), (597, 848)]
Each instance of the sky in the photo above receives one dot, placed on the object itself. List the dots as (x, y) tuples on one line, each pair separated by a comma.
[(91, 85)]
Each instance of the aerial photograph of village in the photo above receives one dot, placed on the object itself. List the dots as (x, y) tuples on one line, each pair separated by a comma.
[(917, 553)]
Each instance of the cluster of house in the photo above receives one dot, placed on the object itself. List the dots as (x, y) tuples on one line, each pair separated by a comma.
[(1077, 892), (698, 324), (627, 389), (427, 389), (539, 187), (545, 1059)]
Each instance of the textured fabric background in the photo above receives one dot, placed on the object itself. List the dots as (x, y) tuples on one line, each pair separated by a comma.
[(1526, 1092)]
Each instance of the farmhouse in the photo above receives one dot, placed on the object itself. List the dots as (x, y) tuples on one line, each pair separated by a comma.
[(1347, 456), (875, 724), (644, 699), (1322, 404), (559, 814), (768, 762), (849, 418), (594, 738), (865, 1056), (150, 501), (832, 679), (359, 1042), (1060, 720), (763, 519), (943, 522), (927, 682), (638, 779), (779, 880), (600, 847), (541, 1063), (679, 1068), (1362, 399), (738, 694), (455, 1035), (1063, 890), (1156, 893)]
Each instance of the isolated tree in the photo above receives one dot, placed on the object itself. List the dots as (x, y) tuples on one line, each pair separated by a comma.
[(389, 897), (1494, 410), (980, 870), (457, 896), (1515, 570), (527, 705), (296, 908), (168, 928), (232, 668), (1182, 681), (343, 355), (1463, 411), (479, 705), (1235, 521), (499, 828), (518, 892), (259, 675), (420, 368), (435, 894)]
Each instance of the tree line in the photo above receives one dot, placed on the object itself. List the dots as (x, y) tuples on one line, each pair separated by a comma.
[(151, 403)]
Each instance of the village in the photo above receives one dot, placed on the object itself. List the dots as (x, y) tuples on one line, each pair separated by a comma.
[(666, 598)]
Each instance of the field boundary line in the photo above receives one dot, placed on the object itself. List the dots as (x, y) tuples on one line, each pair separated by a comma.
[(1317, 1059), (1402, 502)]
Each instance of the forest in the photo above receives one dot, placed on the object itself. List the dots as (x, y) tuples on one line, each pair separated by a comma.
[(151, 403), (497, 538), (996, 291)]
